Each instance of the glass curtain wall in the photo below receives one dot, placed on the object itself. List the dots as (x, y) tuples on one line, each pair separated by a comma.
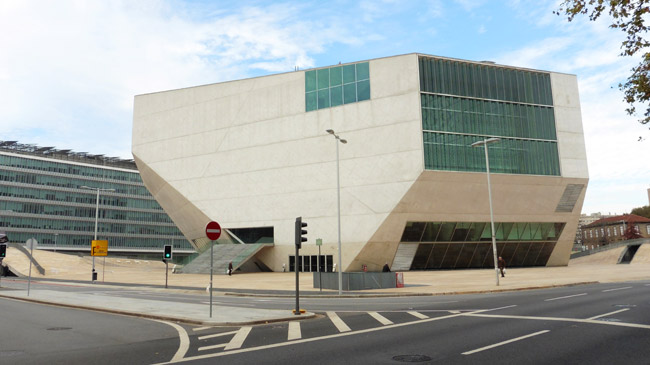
[(459, 245), (465, 102), (44, 199)]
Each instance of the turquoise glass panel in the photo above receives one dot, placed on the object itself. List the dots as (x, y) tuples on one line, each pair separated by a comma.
[(363, 71), (323, 79), (323, 98), (349, 93), (349, 74), (363, 90), (336, 76), (310, 81), (311, 101), (336, 94)]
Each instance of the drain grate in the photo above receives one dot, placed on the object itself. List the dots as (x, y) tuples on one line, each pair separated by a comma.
[(59, 328), (411, 358), (10, 353)]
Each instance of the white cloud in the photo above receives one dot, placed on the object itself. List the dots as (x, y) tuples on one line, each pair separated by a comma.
[(70, 69)]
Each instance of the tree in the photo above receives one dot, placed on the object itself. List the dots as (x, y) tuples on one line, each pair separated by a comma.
[(631, 232), (642, 211), (628, 16)]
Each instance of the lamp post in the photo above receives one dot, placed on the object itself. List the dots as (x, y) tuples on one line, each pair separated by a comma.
[(96, 220), (485, 143), (338, 197)]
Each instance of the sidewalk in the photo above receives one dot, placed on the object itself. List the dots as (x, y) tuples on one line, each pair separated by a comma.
[(150, 276)]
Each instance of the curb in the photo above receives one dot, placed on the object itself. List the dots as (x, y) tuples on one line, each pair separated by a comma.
[(307, 315)]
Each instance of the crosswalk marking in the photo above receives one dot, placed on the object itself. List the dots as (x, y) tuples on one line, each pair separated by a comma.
[(204, 348), (239, 338), (418, 314), (294, 331), (216, 335), (383, 320), (200, 328), (340, 325)]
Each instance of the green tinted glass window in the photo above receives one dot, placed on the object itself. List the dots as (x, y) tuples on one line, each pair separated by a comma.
[(363, 71), (323, 79), (363, 90), (336, 76), (349, 93), (336, 94), (349, 74), (338, 85), (311, 101), (323, 98), (310, 81)]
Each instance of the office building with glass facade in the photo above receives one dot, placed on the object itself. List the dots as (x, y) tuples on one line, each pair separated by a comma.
[(51, 195), (254, 154)]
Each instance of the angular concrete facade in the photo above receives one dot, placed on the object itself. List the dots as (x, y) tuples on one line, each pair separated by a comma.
[(247, 154)]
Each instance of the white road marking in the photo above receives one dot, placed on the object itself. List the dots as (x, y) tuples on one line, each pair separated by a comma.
[(454, 312), (340, 325), (576, 320), (417, 314), (294, 331), (568, 296), (212, 347), (313, 339), (184, 341), (504, 342), (216, 335), (201, 328), (239, 338), (383, 320), (610, 313), (627, 287)]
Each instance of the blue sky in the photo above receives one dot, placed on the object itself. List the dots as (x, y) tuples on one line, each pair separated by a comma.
[(69, 69)]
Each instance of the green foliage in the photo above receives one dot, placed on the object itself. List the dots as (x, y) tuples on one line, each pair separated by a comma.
[(642, 211), (629, 17)]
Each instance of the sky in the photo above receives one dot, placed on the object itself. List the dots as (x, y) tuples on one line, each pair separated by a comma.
[(69, 69)]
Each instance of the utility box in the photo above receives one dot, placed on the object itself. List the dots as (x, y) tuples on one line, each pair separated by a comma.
[(357, 280)]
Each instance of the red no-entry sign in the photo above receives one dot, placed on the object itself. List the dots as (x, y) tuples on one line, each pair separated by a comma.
[(213, 231)]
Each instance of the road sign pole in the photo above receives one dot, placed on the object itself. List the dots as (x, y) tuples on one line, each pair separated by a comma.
[(320, 272), (297, 281), (166, 273), (211, 267), (212, 232)]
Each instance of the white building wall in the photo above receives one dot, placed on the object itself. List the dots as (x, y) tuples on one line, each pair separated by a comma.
[(246, 154), (568, 121)]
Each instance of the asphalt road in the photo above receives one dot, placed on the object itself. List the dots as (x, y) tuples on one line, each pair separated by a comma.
[(589, 324)]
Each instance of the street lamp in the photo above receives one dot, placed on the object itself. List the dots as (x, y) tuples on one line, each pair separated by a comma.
[(485, 143), (338, 197), (96, 219)]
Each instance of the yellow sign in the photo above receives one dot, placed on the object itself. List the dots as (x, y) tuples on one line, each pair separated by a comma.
[(99, 248)]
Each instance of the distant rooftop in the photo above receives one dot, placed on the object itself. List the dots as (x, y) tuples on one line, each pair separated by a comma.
[(68, 155), (628, 218)]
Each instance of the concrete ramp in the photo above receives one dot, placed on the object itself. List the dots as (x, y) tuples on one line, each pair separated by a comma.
[(238, 254)]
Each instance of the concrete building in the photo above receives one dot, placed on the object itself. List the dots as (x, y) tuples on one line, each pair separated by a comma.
[(613, 229), (43, 196), (254, 154)]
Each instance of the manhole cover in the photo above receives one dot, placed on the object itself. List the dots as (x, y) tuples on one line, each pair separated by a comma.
[(59, 328), (411, 358)]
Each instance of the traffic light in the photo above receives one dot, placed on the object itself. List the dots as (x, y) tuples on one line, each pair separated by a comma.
[(168, 253), (300, 232), (3, 251)]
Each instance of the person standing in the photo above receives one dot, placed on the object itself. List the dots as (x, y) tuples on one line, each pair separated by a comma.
[(502, 266), (230, 268)]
